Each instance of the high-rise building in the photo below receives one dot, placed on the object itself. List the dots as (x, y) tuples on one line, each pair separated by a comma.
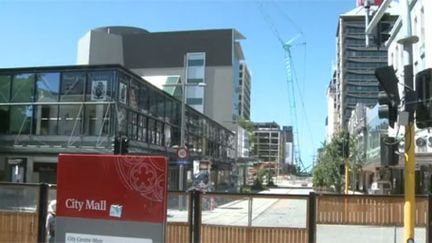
[(211, 57), (356, 63)]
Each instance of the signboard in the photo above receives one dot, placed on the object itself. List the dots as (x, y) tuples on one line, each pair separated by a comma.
[(111, 198), (182, 153), (371, 2), (182, 162)]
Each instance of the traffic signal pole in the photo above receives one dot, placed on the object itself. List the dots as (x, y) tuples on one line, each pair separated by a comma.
[(407, 41), (409, 183)]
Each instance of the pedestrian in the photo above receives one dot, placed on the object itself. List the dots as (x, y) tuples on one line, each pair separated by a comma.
[(50, 221)]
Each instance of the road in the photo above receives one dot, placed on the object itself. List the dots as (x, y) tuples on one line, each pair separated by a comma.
[(266, 212), (273, 212)]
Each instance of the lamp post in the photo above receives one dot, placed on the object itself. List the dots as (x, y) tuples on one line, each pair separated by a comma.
[(182, 145)]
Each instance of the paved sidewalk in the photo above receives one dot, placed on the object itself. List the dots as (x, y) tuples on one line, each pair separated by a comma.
[(365, 234)]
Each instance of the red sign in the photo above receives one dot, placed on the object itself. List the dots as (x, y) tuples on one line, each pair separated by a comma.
[(371, 2), (115, 187), (182, 153)]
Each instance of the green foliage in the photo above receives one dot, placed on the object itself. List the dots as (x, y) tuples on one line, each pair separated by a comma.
[(327, 174), (245, 189), (250, 128), (264, 175)]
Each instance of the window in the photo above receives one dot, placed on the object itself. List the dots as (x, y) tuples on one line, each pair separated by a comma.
[(134, 94), (195, 62), (45, 119), (153, 102), (97, 120), (194, 101), (161, 105), (168, 110), (72, 86), (196, 67), (132, 127), (23, 88), (4, 121), (159, 133), (47, 87), (142, 129), (167, 135), (143, 99), (151, 131), (20, 119), (4, 88), (70, 120)]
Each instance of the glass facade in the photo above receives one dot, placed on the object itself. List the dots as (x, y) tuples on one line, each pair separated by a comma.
[(195, 75), (375, 129), (77, 106)]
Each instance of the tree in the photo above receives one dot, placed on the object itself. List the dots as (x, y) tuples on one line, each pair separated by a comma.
[(328, 173), (250, 128)]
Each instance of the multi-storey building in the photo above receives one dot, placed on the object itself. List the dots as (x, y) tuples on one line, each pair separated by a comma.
[(245, 89), (80, 109), (356, 63), (268, 142), (421, 26), (332, 107), (212, 57)]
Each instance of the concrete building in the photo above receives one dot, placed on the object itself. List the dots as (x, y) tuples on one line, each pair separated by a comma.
[(268, 142), (80, 109), (421, 25), (213, 57), (356, 63), (332, 122)]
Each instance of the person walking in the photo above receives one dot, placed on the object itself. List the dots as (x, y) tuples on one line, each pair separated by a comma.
[(50, 221)]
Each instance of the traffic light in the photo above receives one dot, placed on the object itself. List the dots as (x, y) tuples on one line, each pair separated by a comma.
[(424, 104), (116, 145), (120, 145), (124, 148), (388, 95), (382, 33), (389, 151)]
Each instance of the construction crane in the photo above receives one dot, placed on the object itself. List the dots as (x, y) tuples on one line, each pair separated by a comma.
[(290, 78)]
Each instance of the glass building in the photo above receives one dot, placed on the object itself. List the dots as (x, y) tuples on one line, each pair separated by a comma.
[(45, 111)]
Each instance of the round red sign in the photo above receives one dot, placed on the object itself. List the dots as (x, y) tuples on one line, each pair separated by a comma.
[(182, 153)]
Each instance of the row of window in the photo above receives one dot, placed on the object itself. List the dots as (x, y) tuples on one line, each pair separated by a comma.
[(101, 102), (67, 120), (99, 86)]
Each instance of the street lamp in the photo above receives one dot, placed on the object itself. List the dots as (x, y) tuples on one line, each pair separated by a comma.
[(236, 147), (183, 86)]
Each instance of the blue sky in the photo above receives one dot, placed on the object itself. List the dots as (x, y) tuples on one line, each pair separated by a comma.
[(40, 33)]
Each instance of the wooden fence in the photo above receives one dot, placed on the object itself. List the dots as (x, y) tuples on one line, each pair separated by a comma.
[(177, 232), (18, 227), (367, 210), (239, 234)]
